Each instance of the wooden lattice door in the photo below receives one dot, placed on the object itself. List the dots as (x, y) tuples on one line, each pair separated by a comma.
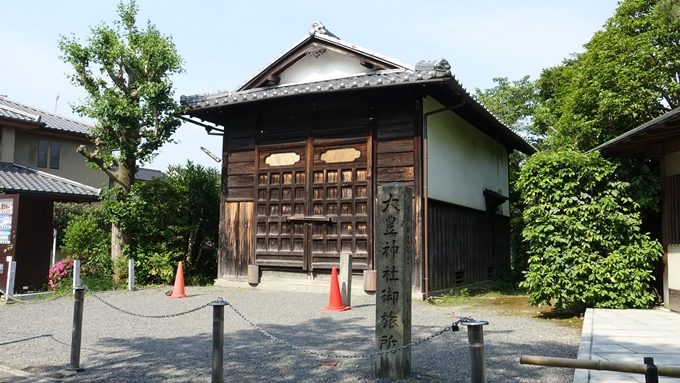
[(281, 193), (313, 204), (340, 191)]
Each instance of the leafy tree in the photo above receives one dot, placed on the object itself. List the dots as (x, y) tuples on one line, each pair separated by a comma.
[(126, 73), (175, 218), (583, 234), (513, 102), (628, 74), (64, 212)]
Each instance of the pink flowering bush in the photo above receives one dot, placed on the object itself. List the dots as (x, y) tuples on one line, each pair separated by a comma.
[(61, 270)]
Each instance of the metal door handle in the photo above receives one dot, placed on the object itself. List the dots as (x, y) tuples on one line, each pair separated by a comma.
[(309, 218)]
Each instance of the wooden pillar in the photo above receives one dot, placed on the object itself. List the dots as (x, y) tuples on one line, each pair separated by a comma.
[(393, 258)]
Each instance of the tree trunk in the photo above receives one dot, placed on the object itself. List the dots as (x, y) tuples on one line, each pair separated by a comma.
[(119, 236), (118, 242)]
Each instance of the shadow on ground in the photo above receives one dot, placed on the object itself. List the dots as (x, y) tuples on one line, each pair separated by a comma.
[(250, 356)]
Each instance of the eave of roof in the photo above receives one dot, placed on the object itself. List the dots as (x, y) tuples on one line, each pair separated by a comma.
[(630, 137), (378, 80), (367, 80), (16, 178), (19, 112)]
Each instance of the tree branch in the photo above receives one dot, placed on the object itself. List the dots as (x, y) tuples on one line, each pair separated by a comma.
[(93, 158)]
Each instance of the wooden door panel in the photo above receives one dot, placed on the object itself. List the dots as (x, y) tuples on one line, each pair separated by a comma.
[(281, 192), (312, 204), (340, 191)]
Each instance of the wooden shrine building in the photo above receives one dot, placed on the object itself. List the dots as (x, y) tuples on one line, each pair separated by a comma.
[(307, 141), (659, 139)]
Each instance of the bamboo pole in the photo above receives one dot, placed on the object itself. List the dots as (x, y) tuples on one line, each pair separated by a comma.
[(597, 365)]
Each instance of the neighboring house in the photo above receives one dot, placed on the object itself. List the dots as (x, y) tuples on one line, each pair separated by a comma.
[(660, 139), (38, 166), (45, 141), (313, 135), (142, 174)]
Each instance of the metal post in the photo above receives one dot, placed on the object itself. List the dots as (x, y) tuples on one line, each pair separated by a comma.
[(218, 341), (54, 247), (76, 274), (475, 332), (11, 275), (652, 374), (131, 274), (77, 330)]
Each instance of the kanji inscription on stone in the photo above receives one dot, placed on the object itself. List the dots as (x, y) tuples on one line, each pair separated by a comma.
[(393, 259)]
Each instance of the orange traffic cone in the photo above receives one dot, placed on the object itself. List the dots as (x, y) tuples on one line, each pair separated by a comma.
[(334, 300), (178, 289)]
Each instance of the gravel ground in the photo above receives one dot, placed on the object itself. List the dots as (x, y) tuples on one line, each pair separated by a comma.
[(118, 347)]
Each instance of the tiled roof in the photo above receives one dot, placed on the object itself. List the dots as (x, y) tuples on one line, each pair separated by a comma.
[(17, 179), (13, 110), (424, 72), (368, 80), (145, 174)]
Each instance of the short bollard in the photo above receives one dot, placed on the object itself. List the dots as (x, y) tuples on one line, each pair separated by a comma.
[(218, 341), (652, 373), (475, 330), (131, 274), (77, 330)]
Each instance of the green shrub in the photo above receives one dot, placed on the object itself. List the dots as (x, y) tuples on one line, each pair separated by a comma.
[(172, 218), (87, 237), (156, 267), (583, 234)]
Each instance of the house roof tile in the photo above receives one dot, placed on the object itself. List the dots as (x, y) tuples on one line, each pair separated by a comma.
[(21, 179), (368, 80), (13, 110)]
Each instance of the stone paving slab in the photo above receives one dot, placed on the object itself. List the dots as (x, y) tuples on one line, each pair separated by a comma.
[(629, 336)]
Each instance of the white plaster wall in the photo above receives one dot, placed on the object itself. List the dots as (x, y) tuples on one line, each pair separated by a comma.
[(328, 65), (673, 266), (672, 163), (463, 161), (71, 164)]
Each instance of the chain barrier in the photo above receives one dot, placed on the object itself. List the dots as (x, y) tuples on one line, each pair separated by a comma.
[(149, 316), (453, 328), (35, 301)]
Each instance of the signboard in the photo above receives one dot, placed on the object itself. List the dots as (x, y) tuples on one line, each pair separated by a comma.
[(6, 211)]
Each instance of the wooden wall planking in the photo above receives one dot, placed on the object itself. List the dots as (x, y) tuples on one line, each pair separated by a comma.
[(236, 239), (465, 245)]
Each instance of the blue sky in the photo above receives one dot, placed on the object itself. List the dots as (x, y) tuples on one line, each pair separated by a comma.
[(224, 43)]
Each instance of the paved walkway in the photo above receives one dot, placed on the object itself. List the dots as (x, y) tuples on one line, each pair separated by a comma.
[(12, 375), (628, 336)]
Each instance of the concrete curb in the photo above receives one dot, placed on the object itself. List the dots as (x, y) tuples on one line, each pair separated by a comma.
[(585, 347)]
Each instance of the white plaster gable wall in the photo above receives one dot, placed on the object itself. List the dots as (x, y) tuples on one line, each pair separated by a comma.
[(322, 65), (463, 161)]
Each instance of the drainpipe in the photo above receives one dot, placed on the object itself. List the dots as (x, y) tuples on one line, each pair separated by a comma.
[(426, 160)]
